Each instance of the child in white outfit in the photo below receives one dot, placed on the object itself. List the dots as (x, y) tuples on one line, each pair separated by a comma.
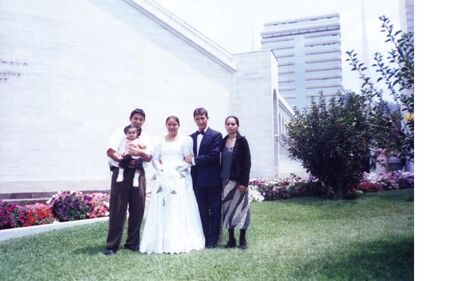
[(132, 139)]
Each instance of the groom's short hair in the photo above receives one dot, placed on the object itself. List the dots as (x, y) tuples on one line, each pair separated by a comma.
[(200, 111), (137, 111)]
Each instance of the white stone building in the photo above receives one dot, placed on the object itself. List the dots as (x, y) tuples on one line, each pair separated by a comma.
[(308, 51), (72, 71)]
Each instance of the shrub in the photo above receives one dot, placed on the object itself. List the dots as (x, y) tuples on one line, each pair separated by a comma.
[(254, 195), (69, 206), (391, 115), (404, 179), (98, 204), (331, 140), (393, 180), (63, 206), (314, 187), (76, 205), (12, 215), (282, 188), (274, 189), (38, 214)]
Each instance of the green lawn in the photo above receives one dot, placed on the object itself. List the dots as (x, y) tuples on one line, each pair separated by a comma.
[(370, 238)]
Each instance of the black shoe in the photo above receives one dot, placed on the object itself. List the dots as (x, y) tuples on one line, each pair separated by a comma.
[(242, 240), (243, 246), (211, 246), (231, 240), (132, 248), (231, 243), (108, 252)]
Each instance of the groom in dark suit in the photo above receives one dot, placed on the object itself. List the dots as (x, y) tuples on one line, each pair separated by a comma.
[(206, 176)]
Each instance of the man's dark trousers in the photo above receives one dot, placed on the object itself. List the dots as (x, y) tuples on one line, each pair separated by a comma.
[(124, 195)]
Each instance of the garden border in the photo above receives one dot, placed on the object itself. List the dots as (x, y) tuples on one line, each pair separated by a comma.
[(11, 233)]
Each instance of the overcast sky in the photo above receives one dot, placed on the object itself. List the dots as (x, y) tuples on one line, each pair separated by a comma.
[(236, 24)]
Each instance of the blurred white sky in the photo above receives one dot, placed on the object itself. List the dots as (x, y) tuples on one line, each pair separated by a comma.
[(236, 24)]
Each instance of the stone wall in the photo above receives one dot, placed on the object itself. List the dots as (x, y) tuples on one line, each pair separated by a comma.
[(84, 65), (72, 71)]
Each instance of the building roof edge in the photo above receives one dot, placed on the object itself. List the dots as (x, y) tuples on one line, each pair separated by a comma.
[(184, 31), (334, 15)]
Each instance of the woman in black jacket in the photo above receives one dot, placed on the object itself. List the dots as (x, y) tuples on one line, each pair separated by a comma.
[(236, 163)]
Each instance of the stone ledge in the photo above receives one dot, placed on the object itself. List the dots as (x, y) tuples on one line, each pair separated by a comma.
[(30, 198), (18, 232), (29, 201), (26, 195), (32, 195), (36, 186)]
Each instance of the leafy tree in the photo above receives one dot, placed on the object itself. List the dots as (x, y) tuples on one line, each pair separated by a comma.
[(391, 122), (331, 140)]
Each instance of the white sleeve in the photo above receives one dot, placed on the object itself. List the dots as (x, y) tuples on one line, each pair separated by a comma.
[(115, 143), (157, 157), (187, 148), (116, 139)]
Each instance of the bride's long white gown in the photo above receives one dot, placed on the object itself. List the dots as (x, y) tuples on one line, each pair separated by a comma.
[(173, 223)]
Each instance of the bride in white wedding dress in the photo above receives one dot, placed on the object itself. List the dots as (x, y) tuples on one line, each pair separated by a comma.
[(172, 224)]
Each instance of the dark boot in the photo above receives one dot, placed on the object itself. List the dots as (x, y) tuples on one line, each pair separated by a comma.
[(242, 241), (231, 240)]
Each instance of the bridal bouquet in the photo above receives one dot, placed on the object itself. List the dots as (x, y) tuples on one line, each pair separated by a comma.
[(166, 182)]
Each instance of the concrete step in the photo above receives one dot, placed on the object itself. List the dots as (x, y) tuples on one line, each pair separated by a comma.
[(27, 201), (26, 195), (25, 198)]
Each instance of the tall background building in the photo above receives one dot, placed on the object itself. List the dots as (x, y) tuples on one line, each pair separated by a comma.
[(407, 25), (407, 15), (308, 51)]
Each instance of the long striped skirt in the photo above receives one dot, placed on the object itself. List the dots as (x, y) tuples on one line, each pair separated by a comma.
[(235, 207)]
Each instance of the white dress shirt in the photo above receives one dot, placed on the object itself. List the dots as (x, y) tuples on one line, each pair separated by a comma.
[(199, 140)]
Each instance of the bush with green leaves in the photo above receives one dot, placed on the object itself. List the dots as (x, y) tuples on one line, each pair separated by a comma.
[(77, 205), (391, 114), (14, 215), (283, 188), (69, 206), (331, 139)]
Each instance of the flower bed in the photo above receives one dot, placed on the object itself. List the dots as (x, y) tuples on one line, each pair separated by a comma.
[(13, 215), (75, 205), (389, 181), (274, 189), (39, 214), (98, 204), (63, 206)]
